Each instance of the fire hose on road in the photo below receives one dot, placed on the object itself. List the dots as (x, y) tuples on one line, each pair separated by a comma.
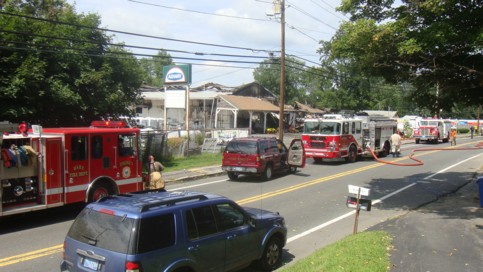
[(418, 162)]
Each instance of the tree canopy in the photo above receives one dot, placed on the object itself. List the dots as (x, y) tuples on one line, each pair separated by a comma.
[(435, 45), (153, 68), (268, 75), (58, 68)]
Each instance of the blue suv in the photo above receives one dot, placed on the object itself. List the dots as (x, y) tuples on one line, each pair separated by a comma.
[(172, 231)]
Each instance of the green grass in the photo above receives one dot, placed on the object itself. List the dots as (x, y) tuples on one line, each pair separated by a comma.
[(193, 161), (365, 251)]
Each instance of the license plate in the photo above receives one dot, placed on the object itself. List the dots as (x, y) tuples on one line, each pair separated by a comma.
[(91, 264), (238, 168)]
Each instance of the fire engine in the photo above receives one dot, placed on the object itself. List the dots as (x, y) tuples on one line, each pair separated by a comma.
[(334, 136), (432, 130), (50, 167)]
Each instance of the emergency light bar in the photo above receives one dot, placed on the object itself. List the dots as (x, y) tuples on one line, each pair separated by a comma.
[(109, 124)]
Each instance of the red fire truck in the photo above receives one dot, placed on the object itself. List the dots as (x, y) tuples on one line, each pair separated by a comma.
[(51, 167), (335, 136), (432, 130)]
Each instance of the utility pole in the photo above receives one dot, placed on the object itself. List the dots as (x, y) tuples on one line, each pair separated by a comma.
[(282, 71)]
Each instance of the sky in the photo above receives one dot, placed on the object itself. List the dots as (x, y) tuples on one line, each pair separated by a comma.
[(218, 37)]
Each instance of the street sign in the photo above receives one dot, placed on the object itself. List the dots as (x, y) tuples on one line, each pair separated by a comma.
[(355, 190)]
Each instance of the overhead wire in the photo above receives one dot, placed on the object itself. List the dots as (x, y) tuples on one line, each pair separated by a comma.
[(310, 15), (229, 16), (131, 33), (335, 14), (124, 55), (148, 48), (163, 38), (199, 12), (121, 53), (128, 46), (301, 32)]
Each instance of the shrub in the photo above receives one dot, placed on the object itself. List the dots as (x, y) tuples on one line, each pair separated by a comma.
[(271, 130), (175, 142), (199, 139)]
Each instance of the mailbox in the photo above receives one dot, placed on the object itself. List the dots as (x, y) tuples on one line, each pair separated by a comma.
[(364, 204)]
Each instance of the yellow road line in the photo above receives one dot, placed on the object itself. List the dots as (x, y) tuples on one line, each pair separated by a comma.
[(30, 255), (58, 248), (317, 181)]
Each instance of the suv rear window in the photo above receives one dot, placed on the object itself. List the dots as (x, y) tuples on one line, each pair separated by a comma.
[(114, 232), (242, 147), (102, 230)]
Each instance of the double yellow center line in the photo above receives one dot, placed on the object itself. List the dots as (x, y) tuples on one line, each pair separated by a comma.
[(30, 255)]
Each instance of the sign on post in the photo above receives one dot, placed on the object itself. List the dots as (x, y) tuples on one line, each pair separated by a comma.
[(359, 190), (357, 202)]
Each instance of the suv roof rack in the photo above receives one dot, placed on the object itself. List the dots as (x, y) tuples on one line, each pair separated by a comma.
[(173, 201), (167, 200)]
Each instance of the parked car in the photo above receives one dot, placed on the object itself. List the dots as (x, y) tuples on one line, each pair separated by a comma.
[(172, 232), (261, 156)]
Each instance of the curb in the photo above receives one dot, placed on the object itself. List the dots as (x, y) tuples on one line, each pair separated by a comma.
[(193, 177)]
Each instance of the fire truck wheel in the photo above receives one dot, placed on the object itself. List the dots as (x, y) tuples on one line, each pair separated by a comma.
[(292, 169), (99, 191), (352, 156), (232, 175), (267, 174)]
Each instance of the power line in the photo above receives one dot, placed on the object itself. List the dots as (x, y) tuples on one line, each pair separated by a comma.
[(199, 12), (123, 55), (149, 36), (142, 35), (115, 55), (335, 14), (309, 15), (129, 53), (292, 27), (293, 56), (133, 34), (142, 47), (229, 16), (129, 46)]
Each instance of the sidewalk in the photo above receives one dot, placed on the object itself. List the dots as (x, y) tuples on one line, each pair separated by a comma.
[(443, 236), (194, 173)]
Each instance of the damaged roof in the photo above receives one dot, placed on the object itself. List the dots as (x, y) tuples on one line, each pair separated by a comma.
[(249, 103)]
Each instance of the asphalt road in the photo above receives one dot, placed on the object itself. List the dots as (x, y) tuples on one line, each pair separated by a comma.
[(312, 202)]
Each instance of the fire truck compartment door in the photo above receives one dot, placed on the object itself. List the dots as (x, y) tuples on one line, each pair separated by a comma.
[(53, 167), (296, 154)]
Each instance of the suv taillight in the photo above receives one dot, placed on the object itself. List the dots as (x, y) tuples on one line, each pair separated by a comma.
[(133, 267)]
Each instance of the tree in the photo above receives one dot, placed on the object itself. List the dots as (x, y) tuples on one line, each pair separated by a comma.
[(435, 45), (268, 75), (153, 68), (57, 67), (344, 85)]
